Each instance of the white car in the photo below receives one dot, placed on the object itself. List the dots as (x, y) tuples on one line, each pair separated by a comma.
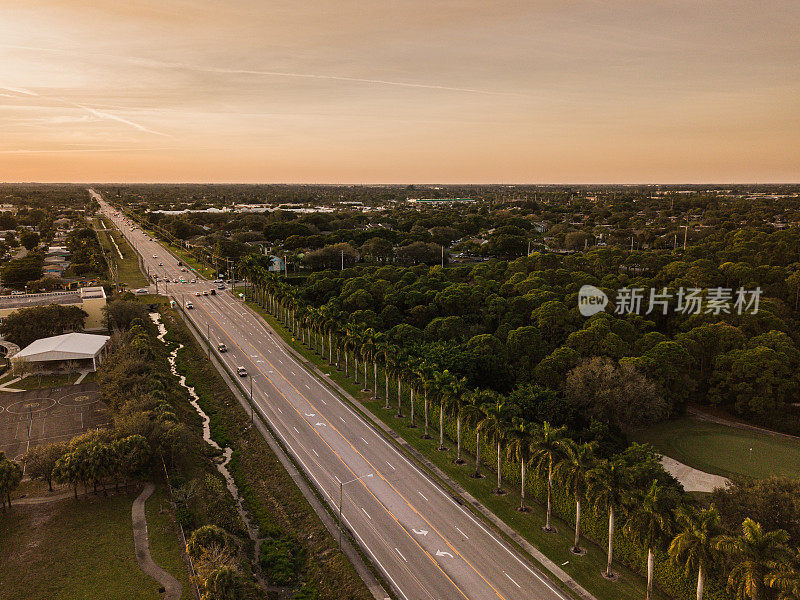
[(242, 372), (189, 305), (142, 291), (155, 255)]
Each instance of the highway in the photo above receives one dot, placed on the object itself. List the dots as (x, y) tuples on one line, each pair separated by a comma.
[(425, 544)]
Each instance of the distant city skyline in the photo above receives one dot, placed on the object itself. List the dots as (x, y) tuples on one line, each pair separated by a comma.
[(399, 92)]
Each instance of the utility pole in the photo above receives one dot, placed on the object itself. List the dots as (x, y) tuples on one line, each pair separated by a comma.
[(686, 231)]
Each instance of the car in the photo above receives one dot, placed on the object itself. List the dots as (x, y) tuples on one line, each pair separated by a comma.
[(197, 294), (183, 269), (166, 279), (160, 264), (142, 291), (221, 286), (205, 292), (189, 305), (242, 372), (222, 347), (182, 280), (155, 255), (213, 292), (194, 280)]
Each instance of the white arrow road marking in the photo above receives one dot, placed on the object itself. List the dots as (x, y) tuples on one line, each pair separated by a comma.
[(310, 414), (442, 553), (320, 424), (420, 532)]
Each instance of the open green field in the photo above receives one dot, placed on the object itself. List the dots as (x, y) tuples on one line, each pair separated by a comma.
[(724, 450), (84, 549)]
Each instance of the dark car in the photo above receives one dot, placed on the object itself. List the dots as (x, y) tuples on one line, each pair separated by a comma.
[(222, 347)]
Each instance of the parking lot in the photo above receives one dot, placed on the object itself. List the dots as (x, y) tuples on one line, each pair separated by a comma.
[(46, 416)]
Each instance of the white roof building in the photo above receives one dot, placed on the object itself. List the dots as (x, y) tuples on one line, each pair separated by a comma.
[(79, 347)]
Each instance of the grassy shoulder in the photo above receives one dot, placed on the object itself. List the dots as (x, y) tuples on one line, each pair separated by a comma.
[(724, 450), (111, 239), (165, 546), (64, 550), (270, 495), (586, 570)]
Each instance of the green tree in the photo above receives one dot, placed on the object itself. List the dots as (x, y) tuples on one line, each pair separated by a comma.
[(547, 450), (41, 460), (572, 471), (650, 524), (519, 448), (494, 427), (694, 546), (10, 476), (784, 576), (752, 556), (609, 489)]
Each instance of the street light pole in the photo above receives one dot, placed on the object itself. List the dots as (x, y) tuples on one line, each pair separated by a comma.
[(341, 493), (252, 405)]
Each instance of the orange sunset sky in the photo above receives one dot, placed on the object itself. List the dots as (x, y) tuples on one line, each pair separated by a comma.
[(375, 91)]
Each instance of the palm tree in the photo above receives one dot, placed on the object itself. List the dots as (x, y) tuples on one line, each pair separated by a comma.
[(472, 413), (547, 449), (649, 525), (608, 487), (453, 401), (520, 449), (441, 379), (495, 427), (785, 577), (572, 472), (753, 555), (425, 372), (695, 544), (367, 351)]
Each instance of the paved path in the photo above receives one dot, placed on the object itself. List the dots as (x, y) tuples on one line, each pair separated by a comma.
[(146, 563)]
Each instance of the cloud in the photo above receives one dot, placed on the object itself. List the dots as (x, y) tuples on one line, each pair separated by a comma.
[(104, 115)]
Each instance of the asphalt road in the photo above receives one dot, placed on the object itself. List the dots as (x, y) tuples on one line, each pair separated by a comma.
[(425, 544)]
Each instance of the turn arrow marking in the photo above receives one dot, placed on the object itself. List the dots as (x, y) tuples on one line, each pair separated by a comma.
[(441, 553), (420, 532)]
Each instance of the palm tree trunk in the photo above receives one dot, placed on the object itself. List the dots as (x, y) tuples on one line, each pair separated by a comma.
[(547, 526), (330, 348), (441, 427), (576, 546), (399, 398), (412, 407), (425, 406), (346, 363), (522, 507), (355, 367), (609, 572), (458, 440), (478, 455), (499, 472), (375, 373), (366, 383), (650, 567), (700, 582), (386, 372)]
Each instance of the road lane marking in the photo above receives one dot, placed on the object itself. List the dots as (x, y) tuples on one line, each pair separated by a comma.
[(315, 453), (365, 441), (423, 496), (390, 464), (401, 555), (512, 581), (366, 513), (462, 533)]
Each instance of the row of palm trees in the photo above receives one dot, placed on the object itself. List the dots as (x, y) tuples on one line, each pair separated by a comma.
[(757, 560)]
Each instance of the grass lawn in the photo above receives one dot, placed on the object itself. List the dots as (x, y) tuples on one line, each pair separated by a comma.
[(585, 570), (37, 382), (129, 272), (724, 450), (67, 549)]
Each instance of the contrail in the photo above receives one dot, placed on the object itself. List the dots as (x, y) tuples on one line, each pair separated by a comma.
[(92, 111), (146, 62)]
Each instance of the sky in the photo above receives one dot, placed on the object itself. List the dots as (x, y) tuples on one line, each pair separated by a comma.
[(400, 91)]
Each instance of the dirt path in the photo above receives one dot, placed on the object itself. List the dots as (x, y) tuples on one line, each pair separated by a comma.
[(146, 563)]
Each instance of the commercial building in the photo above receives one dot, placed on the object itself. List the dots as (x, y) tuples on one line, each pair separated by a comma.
[(90, 299), (69, 352)]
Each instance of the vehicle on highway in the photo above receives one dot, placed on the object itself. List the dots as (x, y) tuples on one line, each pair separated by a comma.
[(222, 347), (197, 294), (242, 372), (205, 292), (182, 280), (194, 280), (160, 264), (189, 305), (155, 255), (166, 279), (142, 291), (213, 292), (218, 280), (183, 269), (221, 286)]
